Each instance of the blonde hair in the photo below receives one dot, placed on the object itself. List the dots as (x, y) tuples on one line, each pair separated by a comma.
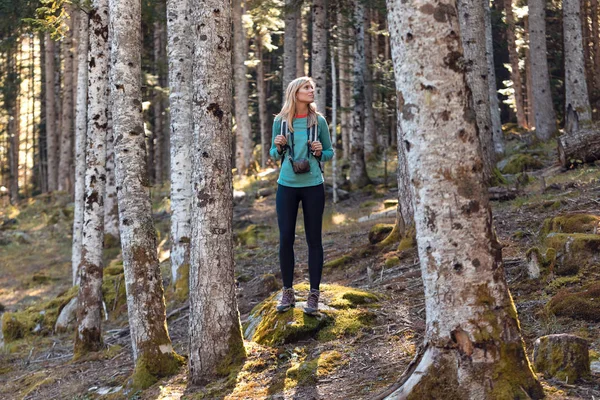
[(288, 111)]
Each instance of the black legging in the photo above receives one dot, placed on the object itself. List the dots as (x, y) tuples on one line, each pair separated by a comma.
[(313, 204)]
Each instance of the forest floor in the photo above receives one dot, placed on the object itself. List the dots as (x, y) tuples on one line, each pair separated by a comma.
[(356, 364)]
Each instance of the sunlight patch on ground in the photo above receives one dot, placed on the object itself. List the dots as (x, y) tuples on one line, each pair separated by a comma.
[(171, 392)]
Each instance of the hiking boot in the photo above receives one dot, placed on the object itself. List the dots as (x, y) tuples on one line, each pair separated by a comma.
[(312, 303), (288, 300)]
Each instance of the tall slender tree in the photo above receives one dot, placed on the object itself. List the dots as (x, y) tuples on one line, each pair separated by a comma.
[(545, 118), (243, 138), (215, 338), (179, 29), (497, 136), (319, 52), (89, 317), (299, 41), (345, 83), (515, 70), (289, 43), (472, 336), (261, 89), (576, 91), (358, 168), (152, 349), (51, 131)]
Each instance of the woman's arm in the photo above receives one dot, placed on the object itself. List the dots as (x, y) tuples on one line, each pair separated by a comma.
[(276, 131), (328, 151)]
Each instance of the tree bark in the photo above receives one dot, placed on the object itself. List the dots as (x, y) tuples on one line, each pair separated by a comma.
[(111, 208), (528, 80), (299, 43), (497, 135), (152, 349), (289, 44), (156, 163), (370, 143), (319, 53), (80, 140), (515, 71), (51, 131), (13, 125), (471, 16), (215, 336), (89, 316), (334, 125), (180, 44), (358, 169), (243, 138), (576, 91), (580, 145), (545, 118), (66, 133), (596, 44), (472, 339), (261, 86), (344, 84)]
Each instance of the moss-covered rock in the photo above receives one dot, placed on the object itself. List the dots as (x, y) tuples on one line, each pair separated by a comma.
[(38, 319), (574, 251), (583, 304), (565, 357), (252, 235), (343, 311), (310, 371), (572, 223), (379, 232), (520, 163)]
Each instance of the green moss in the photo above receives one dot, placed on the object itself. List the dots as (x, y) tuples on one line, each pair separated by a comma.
[(114, 268), (151, 367), (561, 282), (346, 323), (368, 204), (38, 319), (439, 383), (581, 251), (584, 304), (497, 178), (392, 262), (182, 287), (408, 241), (514, 383), (236, 354), (338, 262), (307, 372), (379, 232), (574, 223), (343, 297), (521, 163), (554, 363), (114, 294), (251, 235), (390, 203)]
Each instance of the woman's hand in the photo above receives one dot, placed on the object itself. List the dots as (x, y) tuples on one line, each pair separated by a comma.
[(317, 148), (280, 141)]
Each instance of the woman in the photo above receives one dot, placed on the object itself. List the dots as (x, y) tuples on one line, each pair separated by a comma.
[(300, 180)]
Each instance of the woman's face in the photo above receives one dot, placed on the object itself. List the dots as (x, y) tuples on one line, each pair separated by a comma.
[(306, 93)]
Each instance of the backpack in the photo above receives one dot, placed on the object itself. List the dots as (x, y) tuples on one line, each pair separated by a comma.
[(313, 135)]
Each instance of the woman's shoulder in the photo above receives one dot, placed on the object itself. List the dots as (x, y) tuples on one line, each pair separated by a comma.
[(321, 119)]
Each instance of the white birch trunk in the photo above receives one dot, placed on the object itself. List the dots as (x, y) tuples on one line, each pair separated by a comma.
[(152, 349), (215, 338), (289, 44), (66, 135), (515, 70), (358, 169), (89, 311), (179, 29), (319, 53), (472, 339), (471, 16), (576, 91), (80, 138), (51, 131), (545, 118), (497, 136), (111, 208), (243, 138)]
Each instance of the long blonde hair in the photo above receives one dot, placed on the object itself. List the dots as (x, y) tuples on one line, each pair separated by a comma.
[(288, 111)]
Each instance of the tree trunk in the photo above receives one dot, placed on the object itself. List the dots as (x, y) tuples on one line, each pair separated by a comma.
[(299, 43), (289, 44), (89, 316), (319, 53), (344, 84), (51, 131), (545, 118), (80, 140), (215, 336), (13, 125), (472, 341), (111, 208), (515, 71), (179, 29), (261, 86), (243, 138), (528, 79), (370, 139), (471, 16), (334, 125), (587, 41), (497, 136), (358, 169), (580, 145), (66, 133), (156, 163), (596, 44), (576, 91), (152, 349)]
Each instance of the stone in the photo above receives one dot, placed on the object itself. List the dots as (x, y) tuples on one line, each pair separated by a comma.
[(264, 192), (67, 317), (562, 356)]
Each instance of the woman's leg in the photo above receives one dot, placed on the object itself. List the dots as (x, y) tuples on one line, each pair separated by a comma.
[(313, 204), (287, 210)]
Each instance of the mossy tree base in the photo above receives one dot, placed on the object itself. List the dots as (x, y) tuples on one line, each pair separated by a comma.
[(149, 368), (448, 373)]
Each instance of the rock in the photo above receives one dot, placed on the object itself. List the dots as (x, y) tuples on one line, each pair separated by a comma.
[(256, 290), (534, 260), (67, 317), (520, 163), (21, 237), (379, 232), (342, 194), (574, 251), (389, 213), (564, 357), (584, 304), (264, 192), (595, 367)]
